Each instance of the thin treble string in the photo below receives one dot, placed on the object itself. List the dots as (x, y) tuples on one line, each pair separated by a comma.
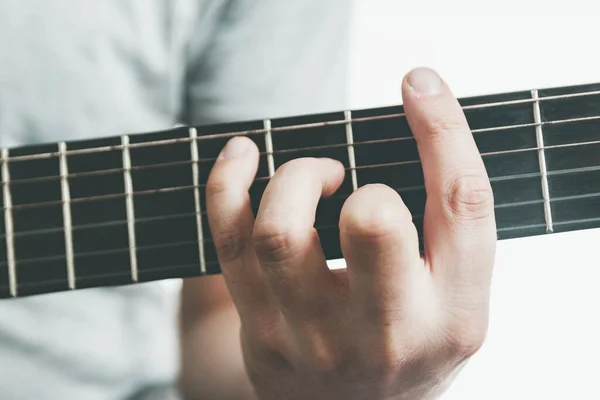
[(336, 196), (285, 128), (279, 152), (265, 178)]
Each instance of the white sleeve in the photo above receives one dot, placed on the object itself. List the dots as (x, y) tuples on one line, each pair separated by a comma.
[(268, 58)]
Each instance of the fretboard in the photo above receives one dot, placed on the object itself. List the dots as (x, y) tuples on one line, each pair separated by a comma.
[(127, 209)]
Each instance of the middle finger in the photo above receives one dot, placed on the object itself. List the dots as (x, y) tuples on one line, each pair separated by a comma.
[(285, 240)]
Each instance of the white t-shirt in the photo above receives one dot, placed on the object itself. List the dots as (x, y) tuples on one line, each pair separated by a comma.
[(86, 68)]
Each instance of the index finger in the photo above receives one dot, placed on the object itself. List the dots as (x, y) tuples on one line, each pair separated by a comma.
[(459, 230)]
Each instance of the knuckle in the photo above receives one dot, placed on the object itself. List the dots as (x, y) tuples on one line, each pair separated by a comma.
[(376, 219), (297, 164), (390, 358), (275, 241), (470, 198), (464, 339), (230, 244), (386, 308), (384, 351), (321, 357), (215, 187), (266, 339), (440, 126), (264, 331), (316, 308)]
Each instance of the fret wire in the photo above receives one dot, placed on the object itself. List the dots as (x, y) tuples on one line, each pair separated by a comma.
[(542, 160), (269, 148), (8, 224), (371, 166), (174, 163), (350, 145), (297, 127), (197, 204), (66, 208), (129, 208)]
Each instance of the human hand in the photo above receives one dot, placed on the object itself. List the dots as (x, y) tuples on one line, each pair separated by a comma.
[(394, 324)]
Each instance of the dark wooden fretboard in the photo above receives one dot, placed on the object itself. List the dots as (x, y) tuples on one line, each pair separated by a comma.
[(127, 209)]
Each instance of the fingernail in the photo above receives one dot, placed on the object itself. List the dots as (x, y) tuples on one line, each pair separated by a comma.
[(424, 81), (234, 148)]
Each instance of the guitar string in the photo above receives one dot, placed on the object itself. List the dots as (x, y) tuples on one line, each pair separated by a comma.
[(416, 216), (279, 152), (595, 220), (335, 196), (406, 188), (211, 136), (75, 200)]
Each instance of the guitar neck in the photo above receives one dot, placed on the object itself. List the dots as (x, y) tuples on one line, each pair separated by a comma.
[(129, 209)]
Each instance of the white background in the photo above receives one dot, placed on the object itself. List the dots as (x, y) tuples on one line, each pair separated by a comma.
[(544, 335)]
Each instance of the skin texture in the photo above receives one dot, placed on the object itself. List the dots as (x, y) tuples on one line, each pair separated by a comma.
[(278, 324)]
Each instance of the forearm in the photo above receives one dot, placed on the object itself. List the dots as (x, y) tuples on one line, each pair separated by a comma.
[(212, 365)]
